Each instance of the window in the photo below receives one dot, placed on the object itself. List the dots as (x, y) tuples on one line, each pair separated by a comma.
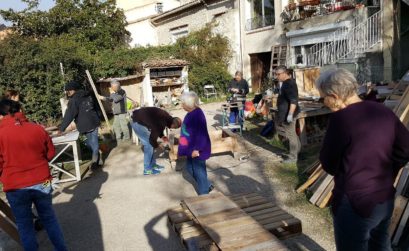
[(159, 8), (178, 32), (262, 14)]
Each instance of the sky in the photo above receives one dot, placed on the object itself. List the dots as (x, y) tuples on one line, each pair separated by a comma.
[(19, 5)]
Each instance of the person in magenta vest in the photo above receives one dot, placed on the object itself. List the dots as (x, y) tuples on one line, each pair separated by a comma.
[(364, 148)]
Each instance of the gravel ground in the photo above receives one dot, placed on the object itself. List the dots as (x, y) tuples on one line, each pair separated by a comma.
[(117, 208)]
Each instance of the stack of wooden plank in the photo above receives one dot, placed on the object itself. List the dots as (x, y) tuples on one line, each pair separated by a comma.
[(319, 183), (216, 222)]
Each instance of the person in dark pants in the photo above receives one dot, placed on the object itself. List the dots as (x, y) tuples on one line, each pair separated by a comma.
[(25, 150), (288, 108), (81, 109), (149, 123), (194, 142), (364, 148), (119, 109), (239, 88)]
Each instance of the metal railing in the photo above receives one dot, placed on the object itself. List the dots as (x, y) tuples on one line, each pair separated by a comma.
[(260, 22), (348, 43)]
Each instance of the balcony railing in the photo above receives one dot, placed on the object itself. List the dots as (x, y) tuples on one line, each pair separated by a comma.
[(260, 22), (311, 8)]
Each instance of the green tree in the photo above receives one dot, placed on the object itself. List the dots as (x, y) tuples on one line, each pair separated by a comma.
[(209, 54), (96, 24)]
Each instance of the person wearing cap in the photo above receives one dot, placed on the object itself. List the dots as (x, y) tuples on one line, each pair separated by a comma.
[(81, 109), (149, 123), (119, 109)]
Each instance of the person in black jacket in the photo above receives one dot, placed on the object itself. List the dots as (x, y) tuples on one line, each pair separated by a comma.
[(149, 123), (239, 88), (288, 108), (81, 109)]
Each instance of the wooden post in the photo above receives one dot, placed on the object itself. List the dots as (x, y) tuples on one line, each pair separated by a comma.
[(99, 101)]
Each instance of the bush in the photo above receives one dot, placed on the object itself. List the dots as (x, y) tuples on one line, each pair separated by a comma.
[(209, 54)]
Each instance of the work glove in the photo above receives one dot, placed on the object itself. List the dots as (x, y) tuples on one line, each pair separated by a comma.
[(290, 118)]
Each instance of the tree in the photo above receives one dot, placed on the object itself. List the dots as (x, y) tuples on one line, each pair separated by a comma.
[(96, 24), (209, 54), (73, 32)]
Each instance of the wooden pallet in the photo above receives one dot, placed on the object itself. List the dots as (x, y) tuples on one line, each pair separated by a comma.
[(222, 141), (272, 218)]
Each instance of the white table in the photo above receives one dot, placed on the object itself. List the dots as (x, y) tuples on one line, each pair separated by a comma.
[(66, 141)]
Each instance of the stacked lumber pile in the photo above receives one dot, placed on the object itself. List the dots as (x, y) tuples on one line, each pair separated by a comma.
[(216, 222), (319, 183)]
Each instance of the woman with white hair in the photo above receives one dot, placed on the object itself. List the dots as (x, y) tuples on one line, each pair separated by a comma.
[(194, 142), (364, 148)]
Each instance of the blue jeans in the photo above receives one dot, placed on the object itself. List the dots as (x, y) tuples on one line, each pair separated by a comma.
[(21, 201), (352, 232), (143, 134), (93, 144), (197, 169)]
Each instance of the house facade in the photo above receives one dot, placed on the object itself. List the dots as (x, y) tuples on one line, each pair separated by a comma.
[(261, 29), (367, 37), (194, 15), (138, 14)]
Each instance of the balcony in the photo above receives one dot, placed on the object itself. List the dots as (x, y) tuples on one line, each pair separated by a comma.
[(259, 22), (311, 8)]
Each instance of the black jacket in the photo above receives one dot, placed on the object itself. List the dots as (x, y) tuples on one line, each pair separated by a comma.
[(287, 95), (82, 110), (155, 119), (242, 85)]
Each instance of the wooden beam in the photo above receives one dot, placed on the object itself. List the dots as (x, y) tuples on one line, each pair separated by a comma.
[(310, 181), (401, 227), (9, 228), (321, 188), (99, 101), (400, 205)]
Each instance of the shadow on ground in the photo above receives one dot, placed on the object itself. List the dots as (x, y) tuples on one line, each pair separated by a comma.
[(79, 217)]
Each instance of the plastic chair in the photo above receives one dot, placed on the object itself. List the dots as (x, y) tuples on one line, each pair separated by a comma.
[(209, 90)]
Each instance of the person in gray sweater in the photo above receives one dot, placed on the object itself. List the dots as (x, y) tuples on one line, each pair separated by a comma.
[(119, 109)]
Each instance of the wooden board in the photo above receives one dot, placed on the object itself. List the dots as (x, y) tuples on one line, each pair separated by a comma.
[(310, 181), (229, 226), (402, 180), (327, 180), (400, 205), (274, 219), (99, 101), (326, 195), (401, 227)]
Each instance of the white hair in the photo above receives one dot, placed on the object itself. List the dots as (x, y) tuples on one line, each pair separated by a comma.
[(337, 81), (115, 82), (190, 99)]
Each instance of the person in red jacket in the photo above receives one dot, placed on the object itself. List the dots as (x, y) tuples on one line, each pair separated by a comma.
[(25, 149)]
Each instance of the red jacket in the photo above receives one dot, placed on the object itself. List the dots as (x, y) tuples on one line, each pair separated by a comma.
[(25, 149)]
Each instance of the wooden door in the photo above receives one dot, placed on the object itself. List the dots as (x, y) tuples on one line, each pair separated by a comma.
[(256, 66)]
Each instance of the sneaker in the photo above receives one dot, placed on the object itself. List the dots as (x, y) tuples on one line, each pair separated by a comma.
[(211, 187), (151, 172), (158, 167)]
